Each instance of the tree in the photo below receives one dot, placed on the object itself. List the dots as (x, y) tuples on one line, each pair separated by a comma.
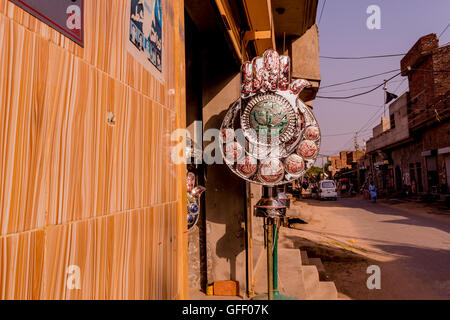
[(314, 172)]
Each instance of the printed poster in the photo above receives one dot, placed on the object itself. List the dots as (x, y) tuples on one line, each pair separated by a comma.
[(145, 41)]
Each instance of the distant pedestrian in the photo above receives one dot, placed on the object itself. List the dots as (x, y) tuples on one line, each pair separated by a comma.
[(373, 192)]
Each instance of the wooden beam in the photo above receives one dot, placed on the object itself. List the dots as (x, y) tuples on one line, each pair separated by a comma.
[(230, 25), (259, 16), (256, 35)]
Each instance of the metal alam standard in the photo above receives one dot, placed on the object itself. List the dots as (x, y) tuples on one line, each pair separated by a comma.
[(270, 137)]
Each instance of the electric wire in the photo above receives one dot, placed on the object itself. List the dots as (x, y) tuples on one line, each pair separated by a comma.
[(342, 134), (359, 79), (351, 89), (443, 31), (382, 55), (361, 93), (363, 57), (321, 11)]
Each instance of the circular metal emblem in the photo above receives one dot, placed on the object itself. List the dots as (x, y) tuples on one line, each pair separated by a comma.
[(233, 151), (312, 133), (268, 119), (308, 149), (227, 135), (248, 166), (294, 164), (271, 171)]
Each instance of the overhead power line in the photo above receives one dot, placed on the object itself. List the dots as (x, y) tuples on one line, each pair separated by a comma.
[(351, 89), (359, 103), (370, 119), (379, 56), (362, 93), (321, 11), (359, 79), (363, 57), (377, 113), (344, 134), (443, 31)]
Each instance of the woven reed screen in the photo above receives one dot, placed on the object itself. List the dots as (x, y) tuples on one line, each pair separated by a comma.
[(75, 190)]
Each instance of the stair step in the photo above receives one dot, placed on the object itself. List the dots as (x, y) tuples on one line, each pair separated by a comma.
[(295, 277), (310, 279), (304, 256), (320, 268), (326, 291), (290, 273)]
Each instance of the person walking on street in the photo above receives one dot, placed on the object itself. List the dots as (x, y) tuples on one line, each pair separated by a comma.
[(373, 192)]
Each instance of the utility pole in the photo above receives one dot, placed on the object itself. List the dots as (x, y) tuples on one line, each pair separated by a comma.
[(358, 174), (384, 97)]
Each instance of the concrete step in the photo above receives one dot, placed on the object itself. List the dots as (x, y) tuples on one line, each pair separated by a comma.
[(304, 256), (326, 291), (294, 278), (310, 280), (290, 273), (320, 268), (290, 279)]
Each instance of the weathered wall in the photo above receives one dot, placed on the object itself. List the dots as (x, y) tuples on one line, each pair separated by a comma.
[(384, 135), (426, 88), (75, 191), (225, 198)]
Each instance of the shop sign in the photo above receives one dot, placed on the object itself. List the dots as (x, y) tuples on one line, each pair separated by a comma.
[(65, 16), (145, 30)]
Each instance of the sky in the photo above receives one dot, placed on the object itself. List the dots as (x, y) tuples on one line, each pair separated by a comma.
[(343, 33)]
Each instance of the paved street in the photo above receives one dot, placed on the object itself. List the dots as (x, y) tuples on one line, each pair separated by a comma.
[(411, 246)]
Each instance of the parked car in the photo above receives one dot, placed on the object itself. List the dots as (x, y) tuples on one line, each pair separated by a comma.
[(327, 190)]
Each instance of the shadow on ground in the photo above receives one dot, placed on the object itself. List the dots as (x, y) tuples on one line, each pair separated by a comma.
[(348, 270)]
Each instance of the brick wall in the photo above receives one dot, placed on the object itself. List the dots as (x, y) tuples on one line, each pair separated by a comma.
[(427, 88), (441, 61)]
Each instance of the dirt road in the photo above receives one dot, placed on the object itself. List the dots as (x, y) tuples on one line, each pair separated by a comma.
[(411, 247)]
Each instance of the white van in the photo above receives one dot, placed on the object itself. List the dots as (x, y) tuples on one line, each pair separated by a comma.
[(327, 190)]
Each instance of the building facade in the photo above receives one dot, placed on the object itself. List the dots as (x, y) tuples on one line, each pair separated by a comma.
[(410, 150), (91, 205), (222, 243), (345, 161)]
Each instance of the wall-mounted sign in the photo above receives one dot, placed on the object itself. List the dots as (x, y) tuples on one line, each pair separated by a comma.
[(65, 16), (145, 29)]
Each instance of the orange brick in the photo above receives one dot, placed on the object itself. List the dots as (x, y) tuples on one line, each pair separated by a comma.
[(226, 288)]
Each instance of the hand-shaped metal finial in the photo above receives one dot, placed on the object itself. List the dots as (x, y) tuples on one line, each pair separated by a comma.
[(280, 137)]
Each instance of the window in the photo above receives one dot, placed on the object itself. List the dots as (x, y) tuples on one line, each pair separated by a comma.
[(328, 184), (392, 118)]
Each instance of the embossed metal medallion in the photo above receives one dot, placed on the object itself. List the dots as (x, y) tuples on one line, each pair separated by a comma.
[(282, 136), (271, 171), (294, 164), (248, 166), (268, 119)]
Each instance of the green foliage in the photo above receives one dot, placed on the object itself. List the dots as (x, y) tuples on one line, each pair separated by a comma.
[(314, 172)]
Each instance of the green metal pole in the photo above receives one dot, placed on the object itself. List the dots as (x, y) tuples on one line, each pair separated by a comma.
[(269, 259), (275, 260)]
